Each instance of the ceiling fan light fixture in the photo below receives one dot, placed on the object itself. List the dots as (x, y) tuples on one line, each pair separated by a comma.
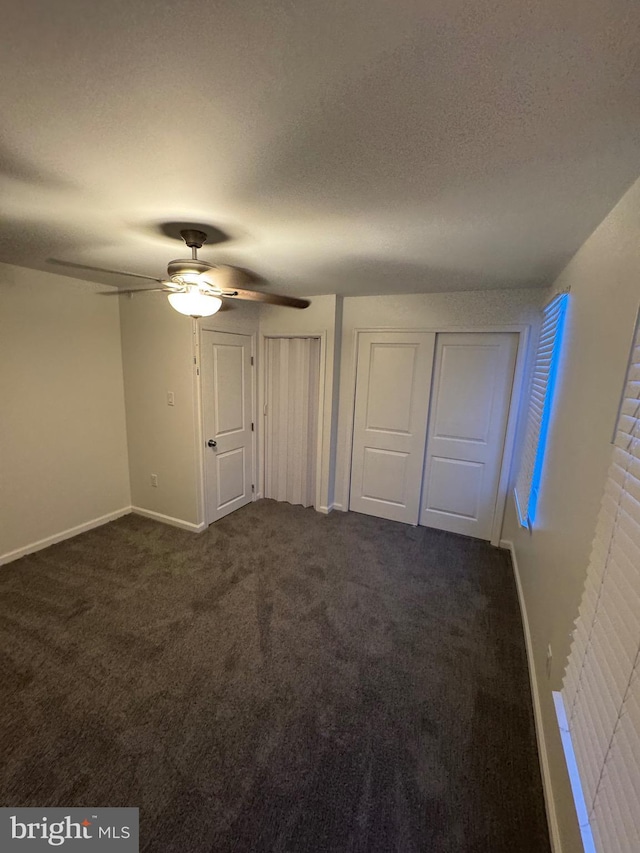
[(193, 303), (195, 286), (186, 278)]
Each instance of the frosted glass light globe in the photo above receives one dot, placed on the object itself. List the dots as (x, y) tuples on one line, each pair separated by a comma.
[(194, 303)]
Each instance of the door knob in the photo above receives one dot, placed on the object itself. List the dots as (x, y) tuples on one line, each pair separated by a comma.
[(212, 443)]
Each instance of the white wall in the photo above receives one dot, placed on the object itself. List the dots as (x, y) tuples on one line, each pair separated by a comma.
[(433, 311), (63, 456), (604, 277)]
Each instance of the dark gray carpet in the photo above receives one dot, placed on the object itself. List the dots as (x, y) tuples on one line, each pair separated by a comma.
[(285, 681)]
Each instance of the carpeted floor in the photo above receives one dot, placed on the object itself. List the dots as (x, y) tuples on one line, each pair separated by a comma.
[(285, 681)]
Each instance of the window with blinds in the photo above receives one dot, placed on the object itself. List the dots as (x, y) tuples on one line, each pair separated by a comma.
[(543, 380), (601, 689)]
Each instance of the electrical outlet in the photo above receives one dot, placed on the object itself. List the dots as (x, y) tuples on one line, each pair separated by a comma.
[(549, 660), (154, 481)]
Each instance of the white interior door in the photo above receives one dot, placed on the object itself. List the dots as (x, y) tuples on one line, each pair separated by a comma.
[(291, 419), (227, 412), (390, 423), (473, 378)]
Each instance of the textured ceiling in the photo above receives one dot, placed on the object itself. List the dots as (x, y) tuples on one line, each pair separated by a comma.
[(358, 146)]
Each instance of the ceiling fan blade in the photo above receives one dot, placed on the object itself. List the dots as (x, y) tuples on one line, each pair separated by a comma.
[(101, 269), (141, 290), (225, 276), (270, 298)]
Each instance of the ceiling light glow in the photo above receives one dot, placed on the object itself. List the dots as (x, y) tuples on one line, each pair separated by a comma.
[(194, 303), (187, 278)]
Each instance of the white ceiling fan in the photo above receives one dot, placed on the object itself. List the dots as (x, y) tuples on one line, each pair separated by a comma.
[(197, 288)]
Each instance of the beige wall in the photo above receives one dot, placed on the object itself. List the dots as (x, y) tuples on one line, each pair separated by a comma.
[(157, 351), (63, 450), (471, 310), (604, 277)]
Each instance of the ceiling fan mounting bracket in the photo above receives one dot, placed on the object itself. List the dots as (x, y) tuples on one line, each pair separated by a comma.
[(193, 238)]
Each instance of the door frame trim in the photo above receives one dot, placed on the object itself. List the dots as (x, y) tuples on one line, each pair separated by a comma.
[(262, 393), (201, 473), (523, 331)]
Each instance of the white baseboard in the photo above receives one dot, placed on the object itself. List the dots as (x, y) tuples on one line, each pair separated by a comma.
[(64, 534), (552, 818), (169, 519), (327, 509), (10, 556)]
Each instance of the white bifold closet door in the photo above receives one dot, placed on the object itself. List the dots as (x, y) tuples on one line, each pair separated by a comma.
[(291, 419), (390, 424), (472, 382), (463, 395)]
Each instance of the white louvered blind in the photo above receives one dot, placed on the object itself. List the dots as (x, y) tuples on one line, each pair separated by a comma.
[(528, 480), (601, 690)]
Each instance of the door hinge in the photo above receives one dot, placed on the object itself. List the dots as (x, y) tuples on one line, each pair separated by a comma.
[(251, 361), (252, 427), (253, 488)]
